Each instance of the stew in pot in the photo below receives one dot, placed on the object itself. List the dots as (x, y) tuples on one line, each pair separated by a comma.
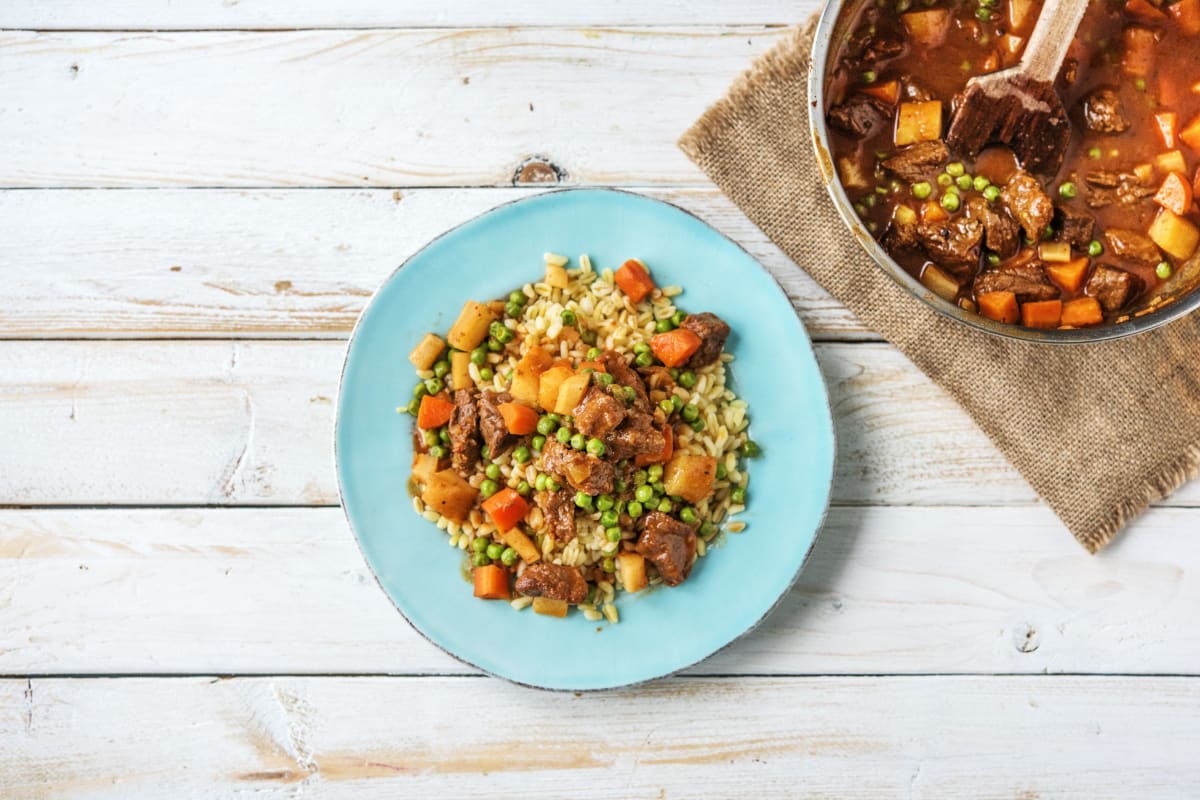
[(1091, 245)]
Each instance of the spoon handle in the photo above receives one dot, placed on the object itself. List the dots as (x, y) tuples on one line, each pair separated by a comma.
[(1051, 38)]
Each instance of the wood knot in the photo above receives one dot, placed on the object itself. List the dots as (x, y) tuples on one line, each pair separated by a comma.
[(538, 169), (1026, 639)]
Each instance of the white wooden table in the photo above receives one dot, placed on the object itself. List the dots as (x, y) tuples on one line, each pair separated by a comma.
[(198, 199)]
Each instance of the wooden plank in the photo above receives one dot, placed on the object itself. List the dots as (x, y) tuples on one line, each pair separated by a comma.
[(249, 423), (848, 738), (360, 108), (230, 263), (266, 14), (887, 590)]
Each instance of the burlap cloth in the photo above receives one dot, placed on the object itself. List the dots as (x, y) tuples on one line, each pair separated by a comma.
[(1100, 431)]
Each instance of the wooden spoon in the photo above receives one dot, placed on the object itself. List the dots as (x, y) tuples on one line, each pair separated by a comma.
[(1018, 106)]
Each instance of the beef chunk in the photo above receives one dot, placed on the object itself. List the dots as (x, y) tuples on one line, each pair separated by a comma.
[(554, 581), (1001, 232), (670, 545), (918, 161), (1027, 281), (1131, 244), (636, 436), (558, 508), (712, 331), (464, 432), (616, 365), (1102, 111), (1029, 205), (901, 236), (860, 116), (1113, 287), (1106, 188), (1077, 227), (583, 472), (953, 242), (491, 422), (598, 412)]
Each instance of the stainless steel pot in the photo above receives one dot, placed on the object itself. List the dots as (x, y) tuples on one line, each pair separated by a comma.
[(1178, 297)]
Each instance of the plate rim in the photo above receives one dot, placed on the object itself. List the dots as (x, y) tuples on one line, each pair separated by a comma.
[(337, 422)]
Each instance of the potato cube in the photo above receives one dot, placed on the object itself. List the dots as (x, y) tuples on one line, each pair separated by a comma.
[(631, 567), (527, 376), (1174, 234), (570, 392), (938, 282), (449, 495), (1018, 12), (460, 370), (851, 174), (550, 607), (424, 465), (425, 354), (1059, 252), (1171, 161), (556, 276), (927, 28), (517, 540), (919, 122), (690, 476), (548, 385), (471, 327)]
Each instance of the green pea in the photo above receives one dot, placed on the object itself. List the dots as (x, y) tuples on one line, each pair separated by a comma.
[(430, 438), (1095, 152), (609, 518), (991, 194), (641, 347), (619, 486), (678, 317), (663, 326), (486, 374), (1163, 270), (750, 449), (688, 514), (444, 435), (674, 373), (508, 557), (583, 500), (604, 379), (578, 441), (480, 560), (437, 451), (955, 168), (518, 297), (545, 425), (1095, 248), (964, 182), (634, 509), (479, 544), (513, 309), (485, 452), (604, 502), (676, 402), (666, 406), (538, 442), (738, 495), (488, 488), (690, 412), (612, 533), (609, 564), (644, 360), (494, 551), (479, 356), (869, 76), (523, 488), (643, 493), (420, 390), (521, 455), (980, 183), (944, 179), (552, 485), (563, 435), (654, 473), (494, 345), (441, 368), (921, 190), (492, 471), (1140, 83), (568, 317), (1067, 190), (993, 259), (698, 425), (596, 447), (413, 407), (593, 353), (687, 379), (588, 335), (640, 477), (722, 471), (434, 385), (950, 202), (983, 14), (629, 393), (664, 506), (539, 482)]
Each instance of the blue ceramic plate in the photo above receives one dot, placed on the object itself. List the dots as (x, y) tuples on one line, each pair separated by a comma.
[(661, 631)]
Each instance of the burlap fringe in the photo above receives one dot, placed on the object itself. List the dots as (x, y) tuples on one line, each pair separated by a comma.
[(1174, 475)]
